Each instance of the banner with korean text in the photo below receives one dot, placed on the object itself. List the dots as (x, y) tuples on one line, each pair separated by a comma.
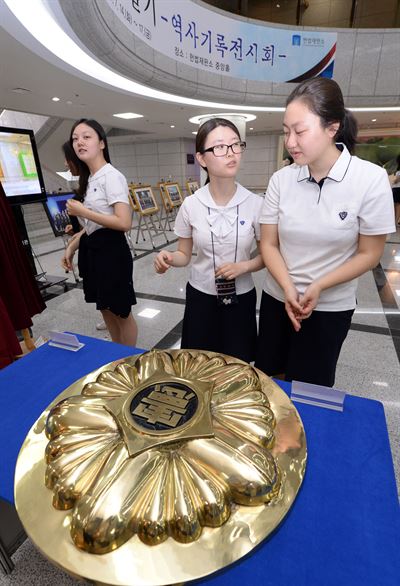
[(205, 39)]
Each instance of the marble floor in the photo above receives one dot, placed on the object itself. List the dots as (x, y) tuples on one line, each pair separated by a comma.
[(368, 364)]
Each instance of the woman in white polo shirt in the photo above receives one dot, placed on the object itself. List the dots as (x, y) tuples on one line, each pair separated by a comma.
[(323, 224), (105, 262), (220, 220)]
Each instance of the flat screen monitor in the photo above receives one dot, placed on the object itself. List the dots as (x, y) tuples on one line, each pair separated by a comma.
[(56, 210), (20, 171)]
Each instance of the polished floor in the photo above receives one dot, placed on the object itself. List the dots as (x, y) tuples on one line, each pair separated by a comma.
[(368, 365)]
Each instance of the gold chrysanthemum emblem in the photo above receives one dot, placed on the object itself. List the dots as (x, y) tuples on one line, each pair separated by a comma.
[(161, 448)]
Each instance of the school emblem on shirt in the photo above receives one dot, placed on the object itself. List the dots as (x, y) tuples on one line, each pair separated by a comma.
[(342, 215)]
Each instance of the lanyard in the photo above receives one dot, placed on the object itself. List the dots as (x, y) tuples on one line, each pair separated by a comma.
[(237, 230)]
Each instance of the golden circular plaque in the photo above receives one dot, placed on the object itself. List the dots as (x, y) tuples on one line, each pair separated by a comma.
[(160, 468)]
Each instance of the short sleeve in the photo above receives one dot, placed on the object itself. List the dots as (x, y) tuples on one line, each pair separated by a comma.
[(376, 215), (259, 202), (270, 208), (116, 188), (183, 228)]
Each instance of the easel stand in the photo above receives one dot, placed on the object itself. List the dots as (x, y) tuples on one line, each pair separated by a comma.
[(167, 217), (171, 198), (43, 280), (149, 227), (144, 204), (130, 241)]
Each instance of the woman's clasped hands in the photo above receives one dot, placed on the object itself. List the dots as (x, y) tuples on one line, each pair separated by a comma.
[(299, 307)]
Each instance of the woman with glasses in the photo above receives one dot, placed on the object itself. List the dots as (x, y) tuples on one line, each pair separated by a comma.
[(219, 221), (323, 224)]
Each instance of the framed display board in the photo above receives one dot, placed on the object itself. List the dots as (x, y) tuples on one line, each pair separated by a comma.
[(172, 193), (144, 199), (164, 198), (56, 210), (131, 187), (191, 186)]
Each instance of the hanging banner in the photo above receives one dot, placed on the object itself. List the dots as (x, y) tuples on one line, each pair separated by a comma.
[(202, 38)]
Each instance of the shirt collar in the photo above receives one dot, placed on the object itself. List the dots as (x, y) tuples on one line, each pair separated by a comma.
[(204, 195), (337, 172), (100, 172)]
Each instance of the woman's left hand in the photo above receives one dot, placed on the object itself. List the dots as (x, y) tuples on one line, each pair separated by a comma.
[(231, 270), (309, 300), (75, 208)]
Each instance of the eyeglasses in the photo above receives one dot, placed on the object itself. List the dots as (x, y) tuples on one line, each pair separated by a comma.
[(221, 150)]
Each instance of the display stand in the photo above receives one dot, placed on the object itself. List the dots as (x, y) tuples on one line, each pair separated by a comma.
[(166, 212), (172, 194), (144, 203), (19, 218), (171, 197), (191, 186), (74, 271), (43, 280)]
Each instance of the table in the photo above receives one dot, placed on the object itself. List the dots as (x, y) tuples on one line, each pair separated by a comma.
[(344, 527)]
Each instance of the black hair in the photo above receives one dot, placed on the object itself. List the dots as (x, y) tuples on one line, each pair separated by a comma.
[(71, 158), (205, 130), (398, 162), (84, 171), (324, 98)]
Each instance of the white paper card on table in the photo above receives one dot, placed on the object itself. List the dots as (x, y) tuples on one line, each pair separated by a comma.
[(40, 341), (317, 395), (65, 341)]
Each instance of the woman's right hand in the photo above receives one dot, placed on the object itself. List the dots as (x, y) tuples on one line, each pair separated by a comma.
[(66, 261), (293, 307), (163, 261)]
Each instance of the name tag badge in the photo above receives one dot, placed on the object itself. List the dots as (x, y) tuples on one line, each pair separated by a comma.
[(226, 291)]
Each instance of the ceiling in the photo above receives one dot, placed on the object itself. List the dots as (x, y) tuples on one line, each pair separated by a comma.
[(79, 98)]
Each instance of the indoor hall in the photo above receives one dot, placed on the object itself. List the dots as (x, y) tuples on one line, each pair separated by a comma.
[(152, 73)]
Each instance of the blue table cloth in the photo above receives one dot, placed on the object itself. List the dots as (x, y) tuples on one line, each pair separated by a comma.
[(344, 527)]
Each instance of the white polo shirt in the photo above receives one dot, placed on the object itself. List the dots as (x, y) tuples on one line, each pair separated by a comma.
[(319, 227), (199, 216), (105, 188)]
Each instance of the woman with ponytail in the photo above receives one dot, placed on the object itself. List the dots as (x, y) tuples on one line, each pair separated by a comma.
[(323, 224), (220, 220)]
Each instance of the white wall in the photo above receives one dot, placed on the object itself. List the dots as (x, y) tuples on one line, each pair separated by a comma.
[(149, 162), (259, 161)]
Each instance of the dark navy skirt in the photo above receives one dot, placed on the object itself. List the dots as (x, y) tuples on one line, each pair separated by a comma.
[(106, 266)]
